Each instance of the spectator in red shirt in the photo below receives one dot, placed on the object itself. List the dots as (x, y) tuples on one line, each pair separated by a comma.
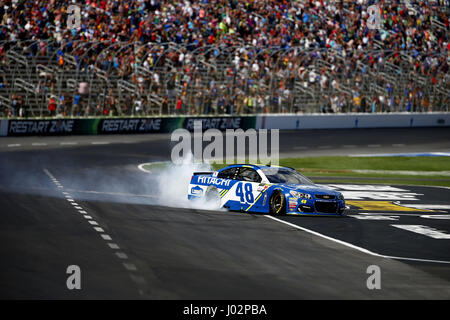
[(179, 105), (52, 106)]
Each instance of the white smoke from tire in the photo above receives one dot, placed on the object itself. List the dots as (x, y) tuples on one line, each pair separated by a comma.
[(173, 182)]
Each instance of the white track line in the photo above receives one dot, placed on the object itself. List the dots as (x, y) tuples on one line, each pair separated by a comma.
[(49, 174), (351, 245), (130, 266), (106, 237), (121, 255), (141, 166), (68, 143)]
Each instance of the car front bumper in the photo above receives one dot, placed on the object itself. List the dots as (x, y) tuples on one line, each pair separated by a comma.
[(315, 206)]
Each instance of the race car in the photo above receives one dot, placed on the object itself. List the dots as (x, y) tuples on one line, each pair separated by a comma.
[(265, 189)]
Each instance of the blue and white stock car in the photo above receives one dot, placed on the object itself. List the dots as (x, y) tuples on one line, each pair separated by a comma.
[(265, 189)]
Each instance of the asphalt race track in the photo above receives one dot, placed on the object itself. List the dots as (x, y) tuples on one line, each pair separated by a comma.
[(83, 201)]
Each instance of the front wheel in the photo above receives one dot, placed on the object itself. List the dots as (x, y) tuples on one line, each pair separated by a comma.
[(277, 203)]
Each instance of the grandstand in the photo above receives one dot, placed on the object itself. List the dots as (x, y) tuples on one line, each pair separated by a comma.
[(222, 57)]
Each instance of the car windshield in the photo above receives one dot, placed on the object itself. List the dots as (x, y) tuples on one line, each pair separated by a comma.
[(284, 175)]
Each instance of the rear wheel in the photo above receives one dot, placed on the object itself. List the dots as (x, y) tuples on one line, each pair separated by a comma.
[(277, 203), (212, 198)]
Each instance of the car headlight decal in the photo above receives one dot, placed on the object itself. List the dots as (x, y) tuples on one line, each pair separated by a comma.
[(300, 195)]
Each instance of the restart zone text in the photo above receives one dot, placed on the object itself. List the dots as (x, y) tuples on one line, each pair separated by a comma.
[(265, 189)]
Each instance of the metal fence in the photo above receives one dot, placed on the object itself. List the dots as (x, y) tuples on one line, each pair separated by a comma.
[(46, 78)]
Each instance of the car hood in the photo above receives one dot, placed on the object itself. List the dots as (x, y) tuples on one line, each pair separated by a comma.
[(312, 189)]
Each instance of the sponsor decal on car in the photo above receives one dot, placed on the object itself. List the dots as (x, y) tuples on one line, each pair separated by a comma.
[(292, 204), (197, 191), (215, 181), (262, 187)]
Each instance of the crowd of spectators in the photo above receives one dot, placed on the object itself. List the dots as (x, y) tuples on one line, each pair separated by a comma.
[(265, 47)]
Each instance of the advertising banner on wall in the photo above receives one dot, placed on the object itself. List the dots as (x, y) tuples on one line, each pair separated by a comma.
[(138, 125), (3, 128), (41, 127), (92, 126), (221, 123), (49, 127)]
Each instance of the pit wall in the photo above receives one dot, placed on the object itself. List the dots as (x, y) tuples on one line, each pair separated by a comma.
[(348, 121)]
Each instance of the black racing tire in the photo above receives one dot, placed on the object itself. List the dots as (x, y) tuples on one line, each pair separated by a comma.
[(277, 203), (212, 196)]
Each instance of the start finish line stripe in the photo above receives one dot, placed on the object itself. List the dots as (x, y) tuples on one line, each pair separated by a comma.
[(380, 206), (424, 230)]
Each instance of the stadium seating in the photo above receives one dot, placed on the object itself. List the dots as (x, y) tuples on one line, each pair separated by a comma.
[(152, 57)]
